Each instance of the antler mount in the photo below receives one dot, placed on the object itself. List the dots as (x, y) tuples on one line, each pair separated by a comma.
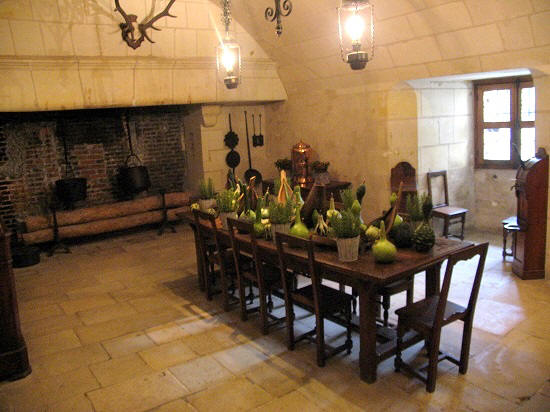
[(129, 27)]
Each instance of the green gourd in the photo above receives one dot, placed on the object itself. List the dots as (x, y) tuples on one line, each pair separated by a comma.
[(332, 209), (398, 221), (299, 229), (383, 250), (259, 227), (372, 233)]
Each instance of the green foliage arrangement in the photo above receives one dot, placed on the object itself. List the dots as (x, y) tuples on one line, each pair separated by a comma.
[(283, 164), (320, 167), (348, 197), (206, 189), (280, 213), (226, 201), (347, 225), (415, 205)]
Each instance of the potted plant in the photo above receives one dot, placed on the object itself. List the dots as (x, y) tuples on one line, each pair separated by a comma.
[(280, 216), (320, 172), (227, 205), (284, 164), (346, 228), (207, 194)]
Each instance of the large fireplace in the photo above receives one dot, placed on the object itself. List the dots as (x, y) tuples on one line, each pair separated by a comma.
[(32, 155)]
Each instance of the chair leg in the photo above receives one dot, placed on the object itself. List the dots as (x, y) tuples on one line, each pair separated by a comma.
[(433, 361), (263, 308), (289, 323), (399, 343), (354, 295), (410, 293), (386, 307), (349, 342), (242, 298), (446, 227), (465, 349), (463, 221), (320, 331)]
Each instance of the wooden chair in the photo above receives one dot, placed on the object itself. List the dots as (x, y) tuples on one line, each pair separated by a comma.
[(265, 276), (427, 317), (319, 299), (450, 215), (405, 173), (213, 255)]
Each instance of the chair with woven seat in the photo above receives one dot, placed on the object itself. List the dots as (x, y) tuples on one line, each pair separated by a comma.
[(450, 214), (428, 316), (317, 298), (262, 274), (214, 255)]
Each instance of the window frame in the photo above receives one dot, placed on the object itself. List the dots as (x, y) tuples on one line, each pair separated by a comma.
[(514, 84)]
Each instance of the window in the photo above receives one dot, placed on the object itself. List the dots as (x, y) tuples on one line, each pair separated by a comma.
[(504, 122)]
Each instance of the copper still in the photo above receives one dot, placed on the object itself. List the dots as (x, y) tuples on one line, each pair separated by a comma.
[(301, 155)]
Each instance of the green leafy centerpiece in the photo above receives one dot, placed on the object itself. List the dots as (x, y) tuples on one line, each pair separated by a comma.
[(226, 201), (207, 194), (346, 228)]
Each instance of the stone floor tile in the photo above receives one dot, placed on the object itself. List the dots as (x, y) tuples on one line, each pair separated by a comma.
[(537, 403), (49, 325), (128, 324), (232, 395), (128, 344), (199, 373), (273, 379), (168, 354), (106, 313), (165, 333), (55, 342), (179, 405), (95, 290), (139, 394), (79, 403), (240, 358), (325, 397), (59, 388), (76, 305), (30, 311), (67, 360), (214, 340), (119, 370), (291, 402)]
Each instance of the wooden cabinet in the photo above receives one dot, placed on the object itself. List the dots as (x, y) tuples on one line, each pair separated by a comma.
[(532, 204)]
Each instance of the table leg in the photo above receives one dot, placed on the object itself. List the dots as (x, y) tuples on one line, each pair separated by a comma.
[(433, 275), (368, 361), (200, 267)]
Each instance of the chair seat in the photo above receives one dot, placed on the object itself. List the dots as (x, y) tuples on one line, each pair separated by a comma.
[(272, 274), (448, 211), (422, 313), (331, 300)]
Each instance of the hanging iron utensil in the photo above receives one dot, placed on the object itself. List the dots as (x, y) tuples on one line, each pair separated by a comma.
[(254, 136), (250, 172), (231, 140), (134, 179), (260, 137), (70, 189)]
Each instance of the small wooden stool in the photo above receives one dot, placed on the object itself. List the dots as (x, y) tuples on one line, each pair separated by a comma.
[(509, 225)]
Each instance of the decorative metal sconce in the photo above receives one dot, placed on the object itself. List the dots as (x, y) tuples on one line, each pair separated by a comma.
[(129, 28), (356, 30), (228, 53), (276, 13)]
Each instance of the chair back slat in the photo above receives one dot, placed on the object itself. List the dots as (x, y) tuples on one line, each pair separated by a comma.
[(467, 254), (288, 260), (434, 175)]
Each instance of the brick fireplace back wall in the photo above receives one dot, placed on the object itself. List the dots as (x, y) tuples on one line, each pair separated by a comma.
[(32, 155)]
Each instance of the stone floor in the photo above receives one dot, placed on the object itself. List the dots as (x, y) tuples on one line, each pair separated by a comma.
[(119, 325)]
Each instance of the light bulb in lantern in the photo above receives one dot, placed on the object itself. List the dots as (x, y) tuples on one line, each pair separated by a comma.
[(355, 26), (228, 60)]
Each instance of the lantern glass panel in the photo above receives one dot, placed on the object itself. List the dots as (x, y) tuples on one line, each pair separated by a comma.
[(229, 63), (356, 29)]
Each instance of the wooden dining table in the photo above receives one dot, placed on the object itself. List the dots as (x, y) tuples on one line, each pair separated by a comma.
[(366, 276)]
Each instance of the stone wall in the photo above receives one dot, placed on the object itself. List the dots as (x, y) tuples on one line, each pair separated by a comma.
[(97, 145), (59, 54)]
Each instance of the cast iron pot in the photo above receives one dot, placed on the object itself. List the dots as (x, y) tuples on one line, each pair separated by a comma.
[(134, 179), (71, 190)]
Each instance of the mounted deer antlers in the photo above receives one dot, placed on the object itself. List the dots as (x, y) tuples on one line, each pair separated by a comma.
[(129, 28)]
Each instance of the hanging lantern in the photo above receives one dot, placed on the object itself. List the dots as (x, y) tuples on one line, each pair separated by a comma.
[(356, 29), (228, 53)]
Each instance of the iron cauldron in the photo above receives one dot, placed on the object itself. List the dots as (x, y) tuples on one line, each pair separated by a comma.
[(134, 179), (71, 190)]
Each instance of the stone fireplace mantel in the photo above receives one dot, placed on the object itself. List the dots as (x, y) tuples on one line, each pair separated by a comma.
[(57, 83)]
